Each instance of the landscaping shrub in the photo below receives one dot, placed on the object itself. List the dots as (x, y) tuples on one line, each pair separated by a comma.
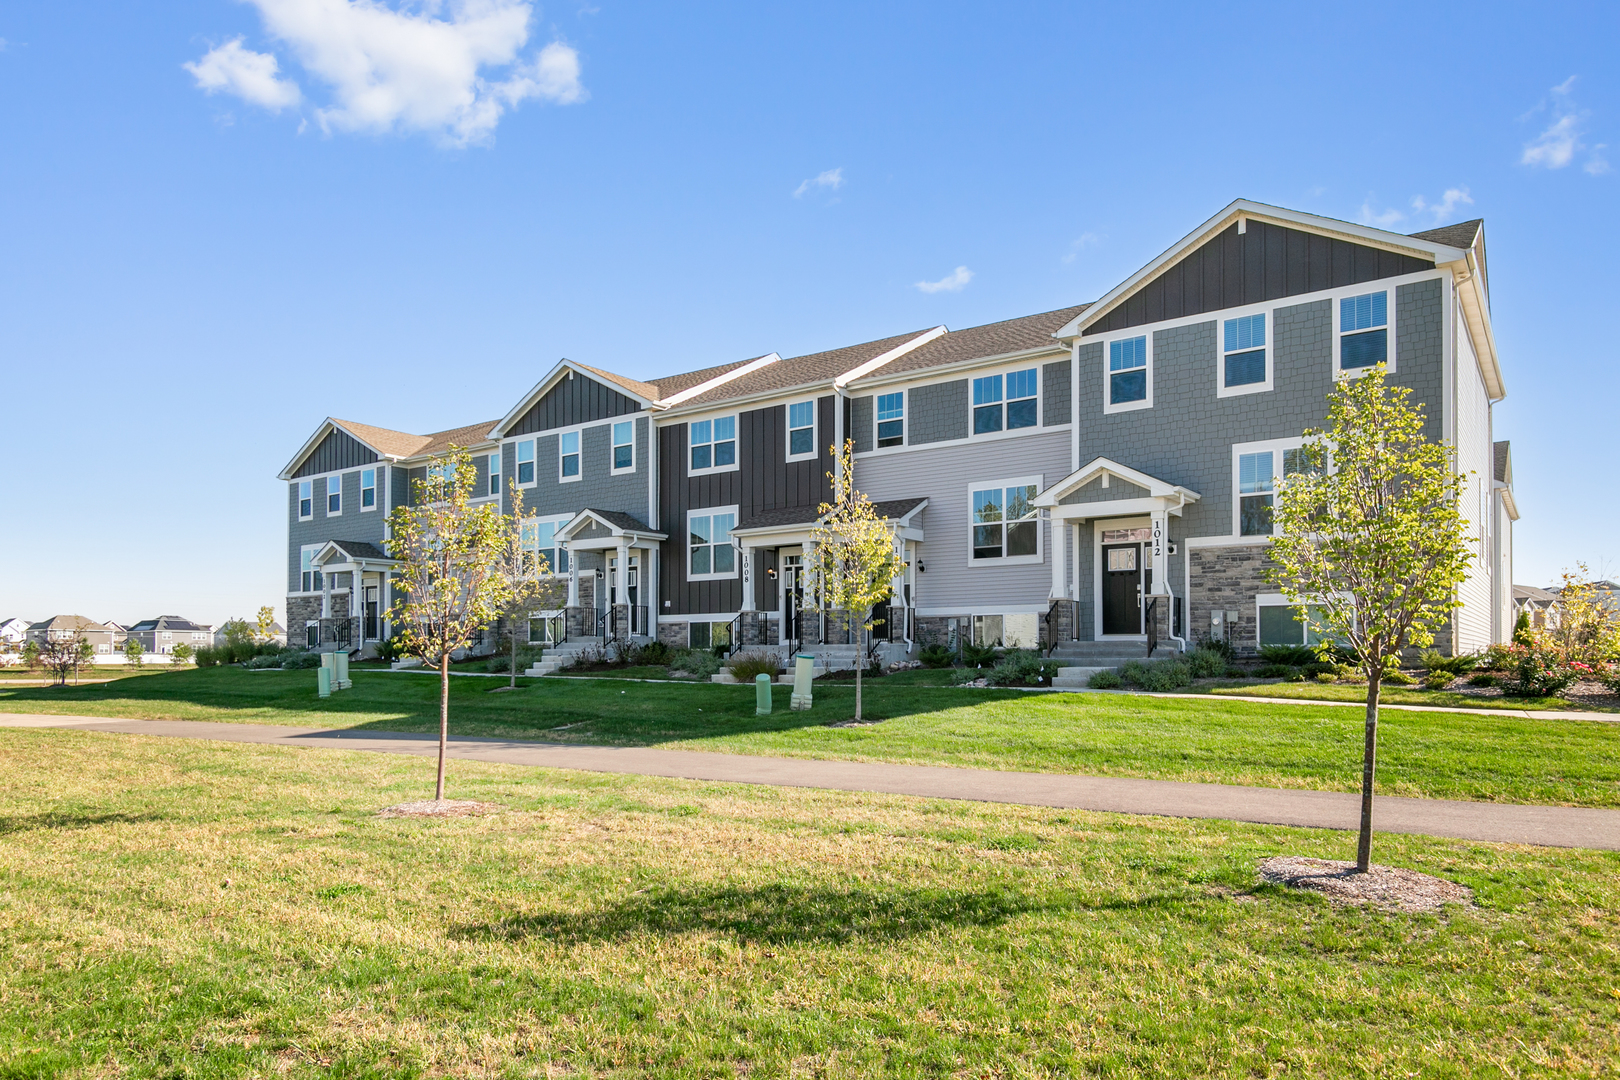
[(936, 656), (1452, 665), (1206, 662), (1292, 655), (1397, 677), (1537, 670), (1273, 671), (391, 650), (206, 656), (502, 662), (294, 659), (1611, 679), (1234, 672), (260, 663), (745, 665), (652, 654), (1483, 678), (1326, 677), (698, 662), (1105, 680), (978, 655), (1438, 679), (1319, 667), (1022, 667), (1215, 644), (1160, 676)]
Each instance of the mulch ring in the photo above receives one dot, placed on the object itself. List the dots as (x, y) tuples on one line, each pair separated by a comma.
[(1387, 887), (440, 808)]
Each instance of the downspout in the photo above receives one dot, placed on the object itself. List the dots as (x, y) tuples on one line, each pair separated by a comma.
[(1168, 588)]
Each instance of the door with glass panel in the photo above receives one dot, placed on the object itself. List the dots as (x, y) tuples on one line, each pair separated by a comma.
[(1126, 577)]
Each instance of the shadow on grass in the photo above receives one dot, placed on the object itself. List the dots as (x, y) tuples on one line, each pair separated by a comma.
[(65, 819), (772, 914)]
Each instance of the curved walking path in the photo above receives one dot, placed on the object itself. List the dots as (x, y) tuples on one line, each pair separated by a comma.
[(1551, 826)]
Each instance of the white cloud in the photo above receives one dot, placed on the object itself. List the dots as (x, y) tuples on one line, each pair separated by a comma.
[(953, 282), (832, 179), (1446, 208), (1085, 240), (1560, 142), (450, 68), (249, 75), (1599, 164), (1379, 219)]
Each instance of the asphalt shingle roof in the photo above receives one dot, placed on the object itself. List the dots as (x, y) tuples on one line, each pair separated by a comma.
[(618, 520), (1460, 235), (359, 549), (991, 339), (68, 622), (670, 385), (166, 622), (893, 509), (822, 367), (1501, 463)]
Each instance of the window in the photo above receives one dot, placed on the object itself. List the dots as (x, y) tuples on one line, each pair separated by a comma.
[(1282, 623), (568, 452), (1363, 331), (334, 496), (709, 635), (1005, 522), (801, 430), (306, 504), (1004, 401), (987, 404), (1243, 355), (368, 489), (710, 553), (1021, 389), (545, 629), (309, 573), (624, 446), (525, 463), (891, 419), (713, 443), (494, 487), (1255, 482), (1129, 384), (539, 535)]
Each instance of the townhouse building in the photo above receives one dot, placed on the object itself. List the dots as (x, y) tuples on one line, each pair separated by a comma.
[(1099, 472), (162, 634)]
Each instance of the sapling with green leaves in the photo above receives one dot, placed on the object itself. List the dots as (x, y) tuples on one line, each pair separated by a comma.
[(1369, 540), (524, 569), (134, 653)]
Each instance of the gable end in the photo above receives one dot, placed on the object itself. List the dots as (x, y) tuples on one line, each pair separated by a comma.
[(577, 400), (339, 450)]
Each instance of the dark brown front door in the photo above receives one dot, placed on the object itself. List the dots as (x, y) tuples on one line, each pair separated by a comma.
[(1122, 589)]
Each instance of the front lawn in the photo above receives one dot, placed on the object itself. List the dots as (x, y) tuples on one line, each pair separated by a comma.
[(1396, 695), (191, 909), (1440, 755)]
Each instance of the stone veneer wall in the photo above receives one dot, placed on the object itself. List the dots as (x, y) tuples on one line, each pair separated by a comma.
[(1226, 579), (673, 634), (300, 609)]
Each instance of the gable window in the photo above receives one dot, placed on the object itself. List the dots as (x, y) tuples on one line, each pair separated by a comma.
[(624, 446), (891, 419), (334, 496), (309, 574), (525, 463), (801, 430), (494, 474), (1243, 355), (713, 443), (709, 550), (1006, 524), (1129, 375), (1363, 331), (306, 503), (568, 452), (368, 489), (539, 536)]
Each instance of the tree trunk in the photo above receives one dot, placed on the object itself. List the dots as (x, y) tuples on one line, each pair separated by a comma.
[(514, 655), (1369, 759), (444, 719), (860, 662)]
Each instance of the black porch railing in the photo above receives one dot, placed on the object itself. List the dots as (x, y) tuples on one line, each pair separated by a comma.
[(1060, 623), (625, 620), (1150, 617), (336, 633)]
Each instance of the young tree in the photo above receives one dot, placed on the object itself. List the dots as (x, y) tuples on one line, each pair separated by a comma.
[(450, 553), (521, 568), (61, 655), (267, 622), (1374, 547), (853, 553), (134, 652), (30, 654), (1588, 625), (181, 654)]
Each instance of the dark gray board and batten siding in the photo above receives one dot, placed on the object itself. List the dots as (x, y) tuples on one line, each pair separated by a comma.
[(573, 401), (339, 450)]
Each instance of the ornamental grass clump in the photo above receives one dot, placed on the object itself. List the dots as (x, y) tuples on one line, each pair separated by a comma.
[(746, 665), (1022, 667)]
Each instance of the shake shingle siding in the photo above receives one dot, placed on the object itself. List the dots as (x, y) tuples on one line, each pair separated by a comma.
[(860, 423), (1056, 388), (351, 525), (937, 412)]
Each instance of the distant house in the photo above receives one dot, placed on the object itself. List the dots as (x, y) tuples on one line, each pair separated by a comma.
[(1540, 604), (162, 634), (278, 633), (104, 638), (13, 631)]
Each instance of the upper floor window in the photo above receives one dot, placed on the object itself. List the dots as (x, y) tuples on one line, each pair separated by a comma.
[(713, 443), (306, 503), (891, 419), (334, 496), (568, 451), (1257, 475), (709, 550), (624, 446), (539, 536), (368, 489), (494, 475), (1130, 376), (308, 573), (1005, 522), (801, 430), (1243, 355), (1004, 401), (1363, 331), (525, 463)]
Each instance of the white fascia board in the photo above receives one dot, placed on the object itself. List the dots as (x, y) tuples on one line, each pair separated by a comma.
[(540, 389), (876, 362), (328, 426), (1055, 349), (1080, 478), (1477, 315), (584, 517), (719, 380), (1243, 208)]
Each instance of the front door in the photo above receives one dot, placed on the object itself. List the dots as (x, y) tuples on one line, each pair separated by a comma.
[(1122, 589), (792, 595), (370, 630)]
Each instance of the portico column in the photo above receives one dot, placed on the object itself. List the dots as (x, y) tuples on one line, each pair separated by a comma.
[(573, 580), (1060, 565), (326, 593), (1161, 553), (621, 592), (385, 601), (746, 555)]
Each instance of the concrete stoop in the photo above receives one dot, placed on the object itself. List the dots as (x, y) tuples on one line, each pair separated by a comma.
[(1080, 660), (564, 655)]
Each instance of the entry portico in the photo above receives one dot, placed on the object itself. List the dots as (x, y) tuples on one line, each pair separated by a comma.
[(628, 552), (357, 577)]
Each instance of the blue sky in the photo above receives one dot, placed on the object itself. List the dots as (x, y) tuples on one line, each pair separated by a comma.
[(224, 221)]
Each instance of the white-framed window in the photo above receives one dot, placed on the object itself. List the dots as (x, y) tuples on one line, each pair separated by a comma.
[(1278, 621), (306, 500), (1129, 374), (368, 489), (624, 446), (334, 496), (1006, 402), (494, 485), (309, 575), (709, 551), (801, 430), (708, 635), (1257, 468), (525, 463), (1245, 366), (568, 456), (712, 444), (1006, 526), (891, 419), (1363, 334), (539, 535)]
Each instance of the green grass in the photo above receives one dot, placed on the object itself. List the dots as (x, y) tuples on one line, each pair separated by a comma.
[(1395, 695), (1438, 755), (174, 909)]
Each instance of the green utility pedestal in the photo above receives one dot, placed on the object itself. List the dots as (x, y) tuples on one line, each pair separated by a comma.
[(762, 695)]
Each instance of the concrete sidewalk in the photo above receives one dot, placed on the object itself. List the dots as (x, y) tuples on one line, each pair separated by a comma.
[(1551, 826)]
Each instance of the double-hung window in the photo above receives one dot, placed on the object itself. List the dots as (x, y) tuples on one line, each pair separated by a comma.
[(1005, 402), (494, 474), (539, 537), (334, 496), (1256, 482), (309, 574), (713, 443), (987, 404), (709, 550), (568, 454), (306, 501), (801, 433), (1006, 524), (1022, 387), (1243, 355), (1129, 374), (368, 489), (891, 419), (1363, 331), (525, 463), (624, 446)]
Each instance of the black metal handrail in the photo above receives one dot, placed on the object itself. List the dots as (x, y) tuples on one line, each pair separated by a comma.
[(1150, 615)]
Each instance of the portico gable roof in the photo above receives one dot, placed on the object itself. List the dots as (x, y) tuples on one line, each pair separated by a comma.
[(616, 522), (1171, 497)]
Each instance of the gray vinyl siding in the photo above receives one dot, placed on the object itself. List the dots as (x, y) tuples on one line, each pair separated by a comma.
[(350, 525), (338, 450), (937, 412), (597, 488), (573, 401), (860, 423), (943, 476), (1266, 262), (1056, 392)]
